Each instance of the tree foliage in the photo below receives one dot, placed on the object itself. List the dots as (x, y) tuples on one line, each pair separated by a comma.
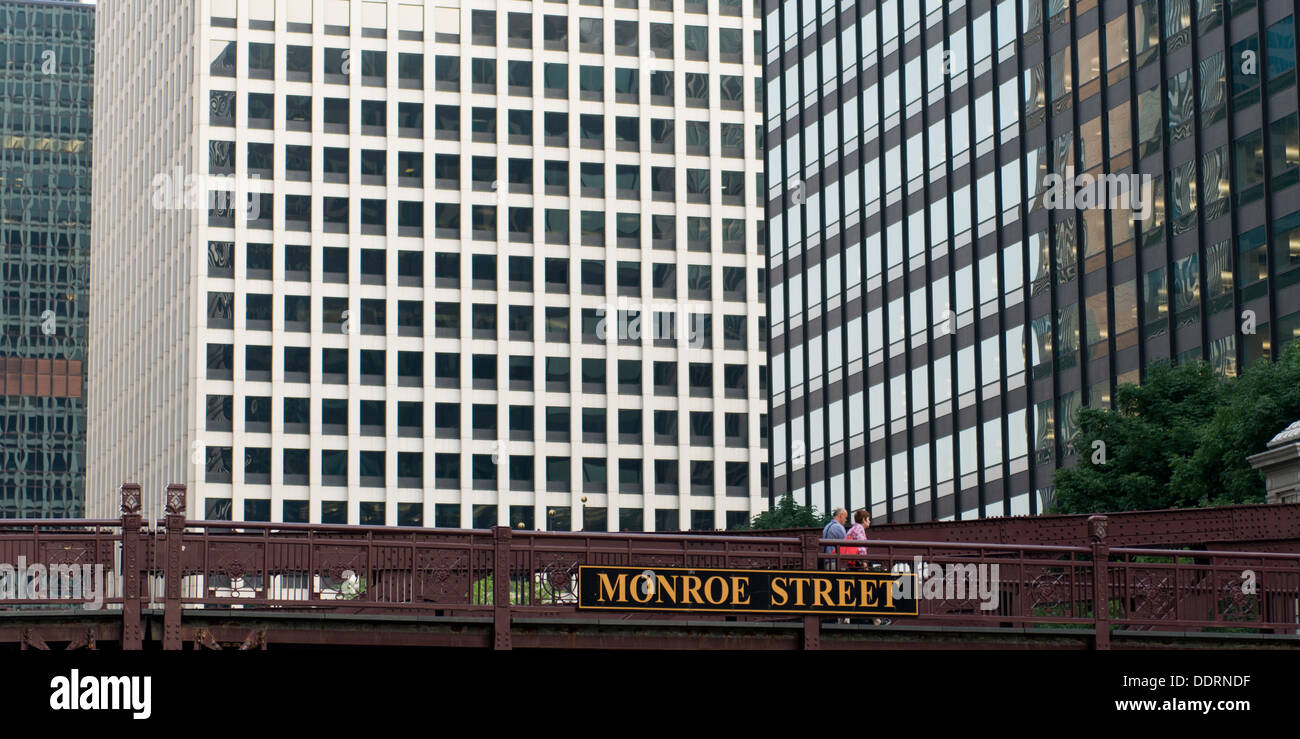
[(1181, 439), (786, 514)]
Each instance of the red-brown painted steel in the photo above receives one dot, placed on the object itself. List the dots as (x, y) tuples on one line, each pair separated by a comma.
[(245, 585), (1224, 527)]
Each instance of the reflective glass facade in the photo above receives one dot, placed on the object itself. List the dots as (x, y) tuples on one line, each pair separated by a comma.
[(951, 283), (46, 73)]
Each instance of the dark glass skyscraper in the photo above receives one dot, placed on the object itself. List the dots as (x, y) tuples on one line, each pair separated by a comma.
[(46, 74), (940, 306)]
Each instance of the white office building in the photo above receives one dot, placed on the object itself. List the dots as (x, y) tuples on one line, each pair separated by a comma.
[(442, 263)]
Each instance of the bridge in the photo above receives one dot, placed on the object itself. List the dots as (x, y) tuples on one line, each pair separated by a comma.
[(1124, 581)]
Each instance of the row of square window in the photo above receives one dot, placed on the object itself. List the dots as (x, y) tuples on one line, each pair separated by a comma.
[(484, 221), (484, 516), (520, 370), (337, 63), (482, 273), (259, 213), (599, 326), (592, 232), (335, 161), (410, 421), (484, 171), (483, 471), (336, 118)]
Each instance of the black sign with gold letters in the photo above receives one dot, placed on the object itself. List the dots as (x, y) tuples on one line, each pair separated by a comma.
[(745, 591)]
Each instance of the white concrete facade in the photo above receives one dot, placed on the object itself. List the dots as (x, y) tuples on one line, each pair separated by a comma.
[(197, 330)]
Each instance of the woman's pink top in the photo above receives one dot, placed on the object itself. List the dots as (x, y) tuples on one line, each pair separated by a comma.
[(860, 533)]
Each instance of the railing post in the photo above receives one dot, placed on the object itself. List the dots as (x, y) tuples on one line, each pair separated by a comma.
[(175, 523), (501, 588), (132, 629), (812, 625), (1100, 580)]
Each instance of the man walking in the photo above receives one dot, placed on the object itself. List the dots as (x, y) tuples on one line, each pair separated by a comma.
[(834, 530)]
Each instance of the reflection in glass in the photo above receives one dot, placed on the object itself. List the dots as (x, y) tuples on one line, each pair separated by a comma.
[(1031, 14), (1041, 349), (1183, 190), (1182, 106), (1214, 165), (1067, 335), (1178, 16), (1063, 153), (1218, 270), (1214, 85), (1066, 251), (1044, 433), (1040, 259), (1280, 38), (1223, 355), (1146, 30), (1187, 287), (1068, 412), (1035, 95), (1157, 220)]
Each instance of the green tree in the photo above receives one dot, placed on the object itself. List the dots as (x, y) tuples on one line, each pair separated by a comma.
[(1181, 439), (786, 514), (1259, 404)]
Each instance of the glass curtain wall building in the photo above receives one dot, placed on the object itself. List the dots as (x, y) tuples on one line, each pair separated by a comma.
[(46, 85), (502, 262), (951, 283)]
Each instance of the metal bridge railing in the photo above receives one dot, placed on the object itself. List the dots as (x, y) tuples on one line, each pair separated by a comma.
[(183, 565)]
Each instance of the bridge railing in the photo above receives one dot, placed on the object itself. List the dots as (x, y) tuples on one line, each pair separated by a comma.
[(333, 568), (182, 565), (350, 568), (543, 566), (1207, 590), (981, 584), (65, 563), (1044, 586)]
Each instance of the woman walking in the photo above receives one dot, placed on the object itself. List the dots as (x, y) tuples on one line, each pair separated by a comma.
[(859, 532), (861, 520)]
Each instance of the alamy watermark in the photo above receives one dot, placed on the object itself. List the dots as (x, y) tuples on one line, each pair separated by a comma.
[(179, 191), (1069, 191), (77, 692), (38, 582), (633, 321), (956, 581)]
